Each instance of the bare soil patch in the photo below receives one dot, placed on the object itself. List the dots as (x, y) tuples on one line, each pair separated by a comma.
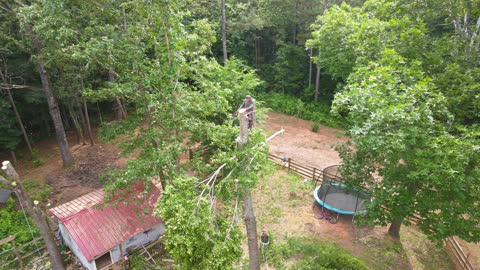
[(70, 183), (300, 143)]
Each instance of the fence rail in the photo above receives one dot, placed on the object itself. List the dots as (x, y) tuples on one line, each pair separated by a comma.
[(451, 245), (456, 252), (24, 261)]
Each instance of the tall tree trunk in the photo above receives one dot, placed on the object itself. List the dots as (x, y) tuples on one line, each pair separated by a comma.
[(224, 32), (52, 105), (14, 157), (145, 99), (294, 34), (247, 203), (36, 213), (310, 69), (64, 116), (317, 84), (87, 118), (83, 121), (251, 225), (257, 50), (121, 113), (394, 229), (46, 124), (19, 120), (76, 123), (99, 113)]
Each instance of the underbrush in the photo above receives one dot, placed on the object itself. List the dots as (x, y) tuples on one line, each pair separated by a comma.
[(14, 222), (316, 112), (37, 190), (306, 253)]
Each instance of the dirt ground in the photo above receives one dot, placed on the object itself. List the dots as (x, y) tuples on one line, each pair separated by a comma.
[(300, 143), (85, 176)]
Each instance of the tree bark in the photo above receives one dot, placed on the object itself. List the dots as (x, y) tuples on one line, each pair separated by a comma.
[(251, 225), (247, 203), (310, 69), (46, 123), (121, 113), (224, 33), (78, 127), (317, 84), (83, 121), (394, 229), (14, 157), (53, 106), (19, 120), (145, 99), (64, 116), (257, 50), (99, 113), (36, 213), (87, 118)]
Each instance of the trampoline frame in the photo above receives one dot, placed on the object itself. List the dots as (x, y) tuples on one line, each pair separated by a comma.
[(334, 180)]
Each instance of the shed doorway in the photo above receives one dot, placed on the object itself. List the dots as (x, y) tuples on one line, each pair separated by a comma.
[(104, 260)]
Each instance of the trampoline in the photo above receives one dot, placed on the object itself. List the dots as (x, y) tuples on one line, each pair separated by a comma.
[(333, 195)]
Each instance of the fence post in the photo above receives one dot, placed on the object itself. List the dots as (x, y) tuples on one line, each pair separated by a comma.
[(313, 174), (190, 154), (289, 164), (17, 253)]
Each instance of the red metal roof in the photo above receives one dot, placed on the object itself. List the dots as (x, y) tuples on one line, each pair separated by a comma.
[(96, 226)]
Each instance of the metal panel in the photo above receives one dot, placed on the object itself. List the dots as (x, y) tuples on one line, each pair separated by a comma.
[(4, 195), (99, 227)]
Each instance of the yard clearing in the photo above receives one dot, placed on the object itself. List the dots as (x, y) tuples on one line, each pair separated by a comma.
[(284, 205)]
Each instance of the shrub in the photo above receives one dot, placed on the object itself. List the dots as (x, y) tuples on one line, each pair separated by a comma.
[(318, 112), (37, 161), (310, 254), (315, 126)]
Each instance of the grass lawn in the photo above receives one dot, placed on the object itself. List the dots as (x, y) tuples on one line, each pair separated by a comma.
[(283, 205)]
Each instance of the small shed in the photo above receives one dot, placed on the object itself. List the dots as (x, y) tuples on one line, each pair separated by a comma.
[(101, 233)]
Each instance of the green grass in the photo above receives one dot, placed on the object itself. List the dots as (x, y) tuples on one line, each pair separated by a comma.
[(37, 190), (282, 195)]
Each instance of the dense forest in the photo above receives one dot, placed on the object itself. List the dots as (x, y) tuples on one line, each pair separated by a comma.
[(402, 77)]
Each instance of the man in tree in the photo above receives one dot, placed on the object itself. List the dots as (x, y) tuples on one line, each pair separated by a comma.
[(248, 105)]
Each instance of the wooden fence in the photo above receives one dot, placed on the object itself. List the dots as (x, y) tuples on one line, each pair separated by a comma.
[(35, 254), (451, 245), (458, 256)]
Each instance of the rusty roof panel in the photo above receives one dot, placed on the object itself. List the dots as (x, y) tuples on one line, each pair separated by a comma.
[(97, 226)]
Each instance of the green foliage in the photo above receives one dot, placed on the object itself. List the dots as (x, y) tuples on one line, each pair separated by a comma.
[(199, 236), (315, 126), (9, 133), (317, 112), (37, 160), (37, 190), (12, 222), (139, 262), (311, 254), (290, 65), (400, 133), (409, 110)]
